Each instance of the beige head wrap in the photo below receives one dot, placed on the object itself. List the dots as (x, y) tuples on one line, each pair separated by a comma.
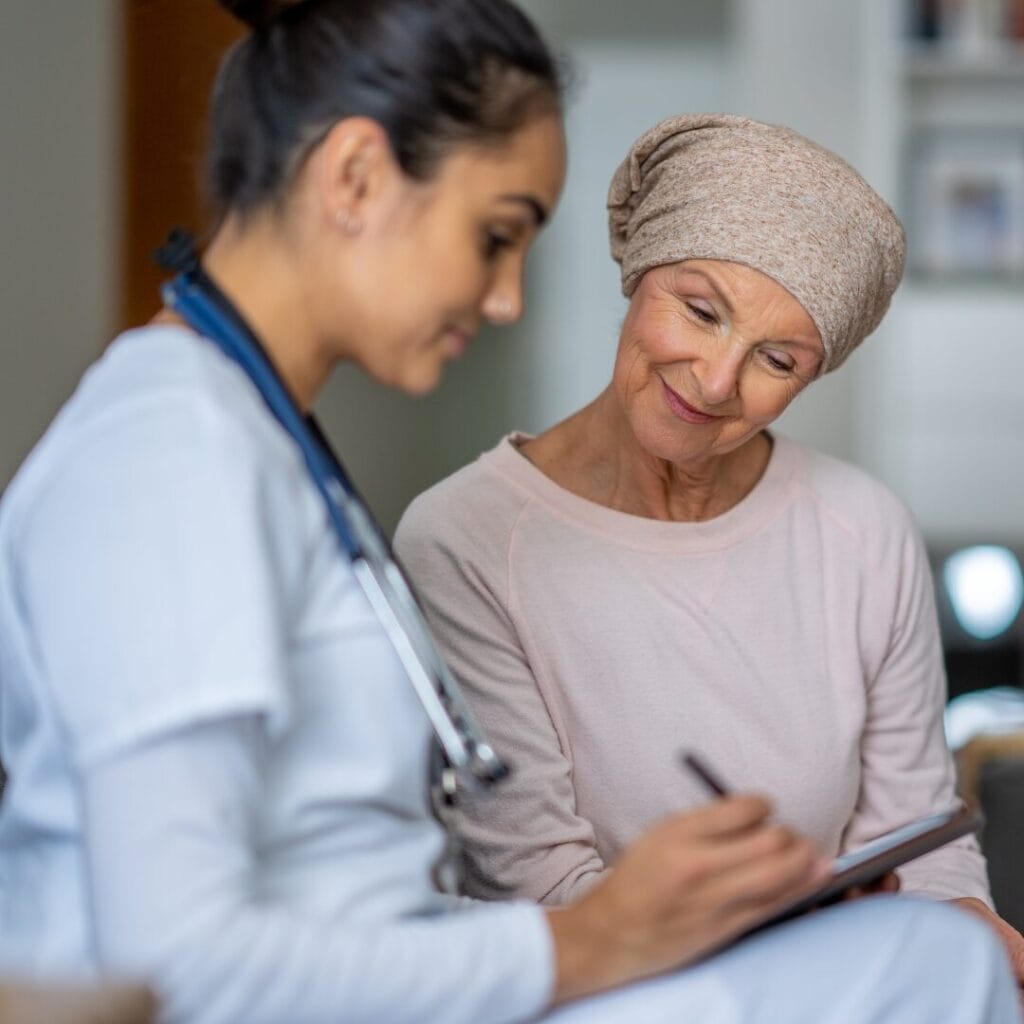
[(716, 186)]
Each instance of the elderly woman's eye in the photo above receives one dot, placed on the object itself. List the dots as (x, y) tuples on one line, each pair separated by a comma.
[(704, 315), (778, 362)]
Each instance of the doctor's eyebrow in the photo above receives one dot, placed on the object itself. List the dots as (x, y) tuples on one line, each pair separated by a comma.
[(536, 207)]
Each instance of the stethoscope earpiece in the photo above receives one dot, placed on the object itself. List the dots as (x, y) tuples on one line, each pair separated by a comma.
[(178, 255)]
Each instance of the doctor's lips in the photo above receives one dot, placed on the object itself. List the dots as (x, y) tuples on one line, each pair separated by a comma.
[(683, 409)]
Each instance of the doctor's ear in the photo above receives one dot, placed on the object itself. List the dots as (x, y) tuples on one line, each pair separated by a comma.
[(351, 169)]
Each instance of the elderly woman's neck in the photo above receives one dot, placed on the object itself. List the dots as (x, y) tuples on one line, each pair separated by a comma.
[(596, 455)]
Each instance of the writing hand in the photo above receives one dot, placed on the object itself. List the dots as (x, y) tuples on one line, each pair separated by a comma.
[(688, 886)]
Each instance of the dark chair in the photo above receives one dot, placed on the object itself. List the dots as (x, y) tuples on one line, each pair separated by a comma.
[(991, 770), (983, 650)]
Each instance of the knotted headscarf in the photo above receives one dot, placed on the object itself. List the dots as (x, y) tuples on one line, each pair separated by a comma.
[(717, 186)]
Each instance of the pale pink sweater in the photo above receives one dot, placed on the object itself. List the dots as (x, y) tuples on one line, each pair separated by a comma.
[(791, 641)]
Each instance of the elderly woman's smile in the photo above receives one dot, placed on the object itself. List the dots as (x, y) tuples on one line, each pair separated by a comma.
[(686, 412)]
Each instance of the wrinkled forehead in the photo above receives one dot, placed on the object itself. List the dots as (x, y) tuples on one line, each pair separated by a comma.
[(750, 298)]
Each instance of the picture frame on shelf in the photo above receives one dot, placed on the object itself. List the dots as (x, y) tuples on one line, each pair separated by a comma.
[(967, 204), (970, 28)]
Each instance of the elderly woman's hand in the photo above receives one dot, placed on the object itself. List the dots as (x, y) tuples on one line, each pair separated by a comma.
[(688, 886), (1012, 940)]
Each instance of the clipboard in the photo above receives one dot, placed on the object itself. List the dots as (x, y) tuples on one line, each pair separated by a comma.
[(870, 862)]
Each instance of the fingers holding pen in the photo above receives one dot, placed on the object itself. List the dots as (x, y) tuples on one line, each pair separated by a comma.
[(693, 882), (740, 878), (728, 816), (731, 838), (690, 884), (765, 866), (773, 862)]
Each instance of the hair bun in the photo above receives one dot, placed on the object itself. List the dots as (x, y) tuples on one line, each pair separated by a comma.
[(257, 13)]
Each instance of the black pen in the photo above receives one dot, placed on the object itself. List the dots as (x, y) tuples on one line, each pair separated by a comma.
[(695, 765)]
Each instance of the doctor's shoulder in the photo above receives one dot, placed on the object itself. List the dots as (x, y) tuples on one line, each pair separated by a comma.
[(159, 415)]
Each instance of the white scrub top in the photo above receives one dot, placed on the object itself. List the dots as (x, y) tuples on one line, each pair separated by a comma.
[(167, 579)]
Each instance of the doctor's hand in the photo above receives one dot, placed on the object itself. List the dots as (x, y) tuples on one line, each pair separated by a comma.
[(686, 887)]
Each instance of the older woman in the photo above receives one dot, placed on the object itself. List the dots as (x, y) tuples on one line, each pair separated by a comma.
[(659, 571)]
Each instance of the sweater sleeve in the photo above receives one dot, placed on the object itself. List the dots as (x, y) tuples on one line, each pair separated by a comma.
[(527, 839), (172, 839), (907, 769)]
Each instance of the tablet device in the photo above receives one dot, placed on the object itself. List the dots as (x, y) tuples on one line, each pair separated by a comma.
[(868, 863)]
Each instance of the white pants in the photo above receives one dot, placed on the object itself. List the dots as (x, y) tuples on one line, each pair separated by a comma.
[(892, 959)]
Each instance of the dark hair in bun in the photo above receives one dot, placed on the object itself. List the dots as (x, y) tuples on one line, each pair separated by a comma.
[(256, 13), (432, 73)]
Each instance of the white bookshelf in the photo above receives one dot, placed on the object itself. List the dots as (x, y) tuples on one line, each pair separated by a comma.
[(930, 63), (945, 422), (934, 402), (962, 90)]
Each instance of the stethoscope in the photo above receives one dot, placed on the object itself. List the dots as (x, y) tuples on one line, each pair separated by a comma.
[(194, 296)]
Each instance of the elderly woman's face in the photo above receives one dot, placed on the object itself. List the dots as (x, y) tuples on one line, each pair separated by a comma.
[(710, 353)]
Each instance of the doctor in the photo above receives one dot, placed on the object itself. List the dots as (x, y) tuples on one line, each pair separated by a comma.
[(218, 768)]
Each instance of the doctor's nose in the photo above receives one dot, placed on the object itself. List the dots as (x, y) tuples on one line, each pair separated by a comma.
[(503, 303)]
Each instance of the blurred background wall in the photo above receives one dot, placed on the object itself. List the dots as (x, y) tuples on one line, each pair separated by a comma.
[(58, 213), (100, 130), (934, 403)]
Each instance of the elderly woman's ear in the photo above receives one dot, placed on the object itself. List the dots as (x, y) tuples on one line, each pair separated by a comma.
[(721, 187)]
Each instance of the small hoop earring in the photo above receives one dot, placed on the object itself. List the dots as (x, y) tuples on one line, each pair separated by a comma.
[(348, 222)]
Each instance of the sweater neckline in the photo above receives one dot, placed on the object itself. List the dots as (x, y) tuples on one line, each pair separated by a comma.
[(766, 500)]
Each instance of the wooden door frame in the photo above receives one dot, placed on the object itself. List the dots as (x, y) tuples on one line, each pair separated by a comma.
[(170, 53)]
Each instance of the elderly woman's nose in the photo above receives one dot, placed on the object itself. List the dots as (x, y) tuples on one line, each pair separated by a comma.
[(718, 374)]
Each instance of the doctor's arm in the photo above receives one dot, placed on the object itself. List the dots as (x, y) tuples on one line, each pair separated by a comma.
[(172, 838)]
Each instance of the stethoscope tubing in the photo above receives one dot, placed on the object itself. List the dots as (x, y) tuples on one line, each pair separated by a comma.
[(195, 297)]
